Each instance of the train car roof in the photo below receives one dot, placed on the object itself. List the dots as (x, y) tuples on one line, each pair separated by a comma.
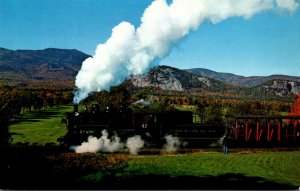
[(263, 117)]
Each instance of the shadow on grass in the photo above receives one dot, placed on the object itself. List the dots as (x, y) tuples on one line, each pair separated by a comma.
[(35, 116), (151, 182), (14, 133), (165, 182)]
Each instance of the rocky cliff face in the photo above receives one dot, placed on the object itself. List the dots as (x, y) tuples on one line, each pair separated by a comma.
[(169, 83), (281, 87), (168, 78), (161, 78)]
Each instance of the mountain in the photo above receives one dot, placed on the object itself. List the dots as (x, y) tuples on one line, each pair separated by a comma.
[(172, 79), (241, 80), (166, 78), (23, 67), (57, 68)]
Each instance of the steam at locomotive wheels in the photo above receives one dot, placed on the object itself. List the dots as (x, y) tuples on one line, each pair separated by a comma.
[(153, 127)]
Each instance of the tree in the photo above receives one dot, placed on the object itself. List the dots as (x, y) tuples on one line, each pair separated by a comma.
[(119, 96), (213, 115), (295, 109), (10, 105)]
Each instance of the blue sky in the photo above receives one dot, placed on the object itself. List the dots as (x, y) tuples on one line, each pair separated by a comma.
[(268, 43)]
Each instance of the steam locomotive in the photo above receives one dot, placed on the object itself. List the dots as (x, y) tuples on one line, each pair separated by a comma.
[(151, 126)]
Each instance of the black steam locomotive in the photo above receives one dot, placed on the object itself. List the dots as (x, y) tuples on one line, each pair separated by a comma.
[(151, 126)]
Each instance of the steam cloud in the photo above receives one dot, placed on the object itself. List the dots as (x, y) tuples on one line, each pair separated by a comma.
[(221, 140), (134, 144), (104, 144), (131, 51), (172, 143)]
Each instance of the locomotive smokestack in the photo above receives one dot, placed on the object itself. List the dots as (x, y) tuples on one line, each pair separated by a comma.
[(75, 108)]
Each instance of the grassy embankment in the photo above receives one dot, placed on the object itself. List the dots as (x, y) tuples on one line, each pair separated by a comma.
[(36, 168)]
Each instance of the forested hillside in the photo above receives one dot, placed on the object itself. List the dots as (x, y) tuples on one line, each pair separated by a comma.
[(49, 68)]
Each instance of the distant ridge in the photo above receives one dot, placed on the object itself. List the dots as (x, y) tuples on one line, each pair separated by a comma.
[(241, 81)]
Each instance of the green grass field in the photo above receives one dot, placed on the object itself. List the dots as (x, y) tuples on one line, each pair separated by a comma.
[(40, 127), (203, 170), (207, 170)]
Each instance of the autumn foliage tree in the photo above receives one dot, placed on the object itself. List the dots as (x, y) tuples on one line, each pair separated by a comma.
[(295, 109), (114, 98)]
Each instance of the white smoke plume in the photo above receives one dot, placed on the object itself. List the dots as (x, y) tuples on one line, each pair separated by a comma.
[(132, 50), (134, 144), (104, 144), (91, 146), (221, 140), (172, 143), (142, 102)]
